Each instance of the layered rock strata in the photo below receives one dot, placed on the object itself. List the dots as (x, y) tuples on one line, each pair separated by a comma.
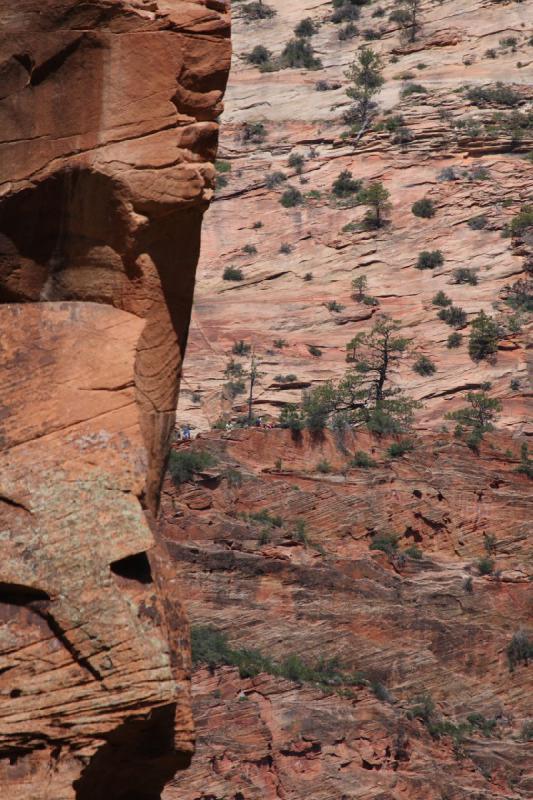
[(108, 120), (298, 263), (396, 680)]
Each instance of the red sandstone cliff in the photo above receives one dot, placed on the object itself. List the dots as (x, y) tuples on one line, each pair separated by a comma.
[(473, 43), (108, 122)]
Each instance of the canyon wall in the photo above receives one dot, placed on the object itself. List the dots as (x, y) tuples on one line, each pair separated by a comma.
[(108, 121), (297, 263), (352, 627)]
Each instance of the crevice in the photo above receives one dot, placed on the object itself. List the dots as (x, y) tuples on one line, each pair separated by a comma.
[(53, 64), (134, 568)]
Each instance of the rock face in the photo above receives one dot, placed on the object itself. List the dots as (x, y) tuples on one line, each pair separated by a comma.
[(297, 260), (108, 120), (413, 695)]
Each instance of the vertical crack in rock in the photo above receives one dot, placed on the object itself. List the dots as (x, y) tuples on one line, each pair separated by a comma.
[(108, 116)]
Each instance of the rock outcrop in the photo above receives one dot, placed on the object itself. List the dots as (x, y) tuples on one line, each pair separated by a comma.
[(108, 120), (396, 677)]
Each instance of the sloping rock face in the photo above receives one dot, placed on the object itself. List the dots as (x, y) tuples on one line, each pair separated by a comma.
[(413, 694), (108, 120), (296, 260)]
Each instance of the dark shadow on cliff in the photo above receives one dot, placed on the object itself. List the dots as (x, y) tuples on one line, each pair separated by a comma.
[(136, 761)]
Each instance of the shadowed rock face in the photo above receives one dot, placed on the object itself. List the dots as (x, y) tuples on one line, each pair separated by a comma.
[(108, 119)]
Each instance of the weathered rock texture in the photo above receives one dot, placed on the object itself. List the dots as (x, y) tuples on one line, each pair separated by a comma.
[(274, 300), (108, 126), (432, 626)]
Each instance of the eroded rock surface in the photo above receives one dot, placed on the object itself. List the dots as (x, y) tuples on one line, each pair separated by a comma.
[(108, 123), (277, 558), (305, 257)]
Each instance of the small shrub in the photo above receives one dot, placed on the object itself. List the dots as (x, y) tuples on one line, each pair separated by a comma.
[(399, 449), (300, 534), (280, 343), (249, 249), (327, 86), (479, 173), (291, 418), (362, 460), (423, 208), (299, 54), (344, 184), (520, 649), (183, 464), (465, 275), (308, 276), (240, 348), (232, 274), (222, 166), (499, 95), (254, 132), (274, 179), (454, 341), (259, 56), (386, 542), (233, 369), (264, 537), (478, 223), (296, 162), (324, 467), (257, 225), (291, 197), (484, 336), (233, 477), (394, 123), (520, 295), (526, 464), (413, 88), (257, 10), (334, 306), (285, 248), (266, 518), (234, 388), (345, 11), (468, 585), (424, 366), (441, 299), (413, 552), (347, 32), (286, 378), (514, 385), (485, 566), (196, 397), (448, 174), (522, 221), (486, 726), (305, 28), (314, 351), (429, 259), (350, 227), (402, 136), (371, 34), (453, 316), (491, 53)]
